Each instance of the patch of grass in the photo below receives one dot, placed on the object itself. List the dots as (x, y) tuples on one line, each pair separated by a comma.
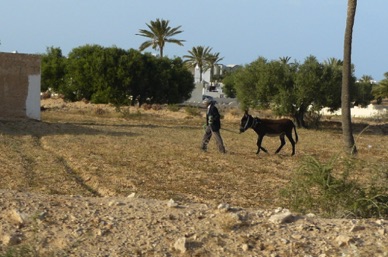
[(328, 189), (193, 111), (20, 251), (173, 107)]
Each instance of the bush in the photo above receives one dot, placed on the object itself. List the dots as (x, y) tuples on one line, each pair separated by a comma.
[(316, 187), (193, 111), (173, 107)]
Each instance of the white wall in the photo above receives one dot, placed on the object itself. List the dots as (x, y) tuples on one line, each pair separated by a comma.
[(33, 97)]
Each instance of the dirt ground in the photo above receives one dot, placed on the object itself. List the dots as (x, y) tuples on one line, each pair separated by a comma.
[(134, 220)]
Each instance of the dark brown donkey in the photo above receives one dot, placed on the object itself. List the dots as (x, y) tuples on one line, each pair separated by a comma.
[(268, 127)]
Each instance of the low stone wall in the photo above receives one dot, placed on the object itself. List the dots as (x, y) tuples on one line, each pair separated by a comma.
[(19, 86)]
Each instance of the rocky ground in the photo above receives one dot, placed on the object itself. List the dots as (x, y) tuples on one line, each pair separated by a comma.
[(52, 225)]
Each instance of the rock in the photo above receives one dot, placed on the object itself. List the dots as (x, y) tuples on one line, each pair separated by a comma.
[(10, 240), (245, 247), (284, 216), (181, 245), (172, 204), (223, 207), (18, 218), (310, 215), (343, 240), (131, 195), (356, 228)]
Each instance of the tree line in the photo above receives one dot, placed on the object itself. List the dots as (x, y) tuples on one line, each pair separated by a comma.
[(293, 88), (113, 75)]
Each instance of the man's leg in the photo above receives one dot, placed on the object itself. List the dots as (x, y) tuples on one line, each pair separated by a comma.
[(206, 138), (220, 143)]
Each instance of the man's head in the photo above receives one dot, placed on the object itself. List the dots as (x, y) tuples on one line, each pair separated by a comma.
[(207, 101)]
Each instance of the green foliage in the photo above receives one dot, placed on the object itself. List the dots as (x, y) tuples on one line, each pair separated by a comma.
[(173, 107), (288, 88), (197, 57), (20, 251), (362, 91), (159, 34), (229, 81), (381, 90), (192, 111), (113, 75), (52, 69), (316, 187)]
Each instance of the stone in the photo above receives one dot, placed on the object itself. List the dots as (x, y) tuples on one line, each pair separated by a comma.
[(343, 240), (282, 217), (172, 204), (181, 245)]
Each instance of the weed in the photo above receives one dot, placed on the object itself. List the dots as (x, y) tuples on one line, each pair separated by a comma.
[(316, 187), (193, 111), (20, 251), (173, 107)]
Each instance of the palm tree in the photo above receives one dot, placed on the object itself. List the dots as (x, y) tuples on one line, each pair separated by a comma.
[(333, 62), (198, 58), (213, 59), (284, 59), (347, 131), (381, 90), (366, 79), (159, 33)]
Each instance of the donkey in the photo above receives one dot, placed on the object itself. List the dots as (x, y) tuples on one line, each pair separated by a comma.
[(269, 127)]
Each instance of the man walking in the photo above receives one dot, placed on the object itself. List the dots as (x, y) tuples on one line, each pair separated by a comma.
[(213, 126)]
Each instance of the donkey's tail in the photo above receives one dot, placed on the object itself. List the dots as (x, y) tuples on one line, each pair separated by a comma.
[(296, 134)]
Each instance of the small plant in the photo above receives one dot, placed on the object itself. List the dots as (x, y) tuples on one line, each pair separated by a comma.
[(193, 111), (173, 107), (316, 187), (123, 110), (230, 221), (146, 106), (99, 111), (156, 107), (20, 251)]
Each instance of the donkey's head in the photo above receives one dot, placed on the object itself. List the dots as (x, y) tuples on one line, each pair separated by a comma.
[(246, 122)]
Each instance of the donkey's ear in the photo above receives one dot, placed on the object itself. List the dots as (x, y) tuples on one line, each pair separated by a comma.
[(246, 112)]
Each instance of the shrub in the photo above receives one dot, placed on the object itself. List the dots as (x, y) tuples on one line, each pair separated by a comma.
[(156, 107), (173, 107), (193, 111), (316, 187)]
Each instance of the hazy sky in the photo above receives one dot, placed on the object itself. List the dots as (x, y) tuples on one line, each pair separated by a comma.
[(240, 31)]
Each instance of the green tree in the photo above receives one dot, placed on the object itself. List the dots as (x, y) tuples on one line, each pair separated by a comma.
[(113, 75), (159, 34), (288, 88), (197, 57), (347, 130), (381, 90), (229, 82), (361, 92), (84, 72), (53, 69), (331, 84)]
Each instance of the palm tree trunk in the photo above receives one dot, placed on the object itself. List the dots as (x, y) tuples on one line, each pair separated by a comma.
[(347, 131), (161, 52)]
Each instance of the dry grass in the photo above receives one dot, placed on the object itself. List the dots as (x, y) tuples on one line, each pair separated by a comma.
[(94, 151)]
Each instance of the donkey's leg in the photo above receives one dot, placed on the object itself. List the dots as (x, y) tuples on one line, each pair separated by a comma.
[(259, 141), (282, 143), (289, 136)]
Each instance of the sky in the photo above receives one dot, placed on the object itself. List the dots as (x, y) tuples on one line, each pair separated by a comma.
[(241, 31)]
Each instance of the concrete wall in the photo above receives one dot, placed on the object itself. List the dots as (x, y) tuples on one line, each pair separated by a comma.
[(19, 86)]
